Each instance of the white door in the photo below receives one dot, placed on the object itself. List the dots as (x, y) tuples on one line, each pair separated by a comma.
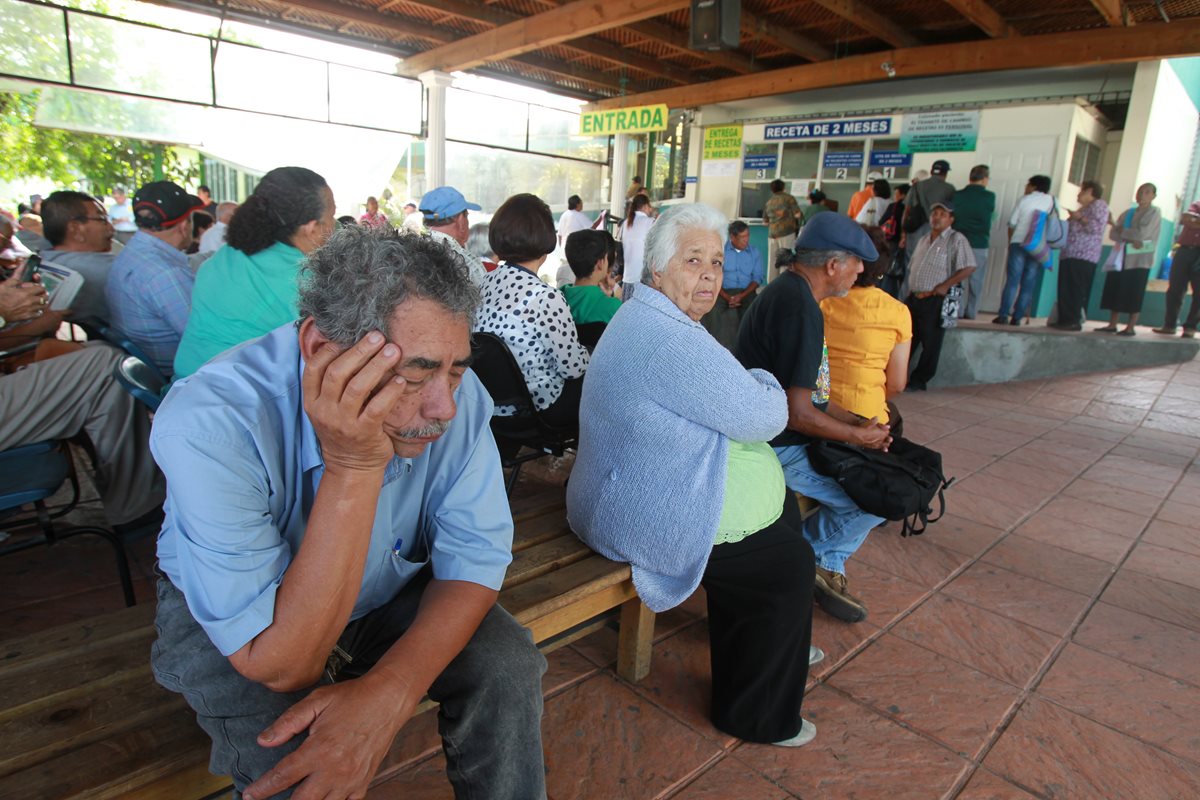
[(1013, 161)]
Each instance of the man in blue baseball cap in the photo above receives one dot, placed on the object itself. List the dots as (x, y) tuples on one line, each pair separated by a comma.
[(784, 333), (444, 214)]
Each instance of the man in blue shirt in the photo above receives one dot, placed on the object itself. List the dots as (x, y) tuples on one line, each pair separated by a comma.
[(149, 289), (336, 535), (744, 271)]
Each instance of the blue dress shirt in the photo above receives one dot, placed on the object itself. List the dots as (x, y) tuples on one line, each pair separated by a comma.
[(742, 267), (243, 465), (149, 293)]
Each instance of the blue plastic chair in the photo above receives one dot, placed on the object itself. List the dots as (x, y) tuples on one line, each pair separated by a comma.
[(31, 474), (141, 380), (114, 336)]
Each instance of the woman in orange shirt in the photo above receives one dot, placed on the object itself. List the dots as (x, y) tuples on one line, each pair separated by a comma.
[(869, 336)]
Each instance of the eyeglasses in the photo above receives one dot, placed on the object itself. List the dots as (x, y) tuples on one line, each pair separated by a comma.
[(91, 219)]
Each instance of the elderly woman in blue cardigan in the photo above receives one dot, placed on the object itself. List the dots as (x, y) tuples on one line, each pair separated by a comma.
[(674, 476)]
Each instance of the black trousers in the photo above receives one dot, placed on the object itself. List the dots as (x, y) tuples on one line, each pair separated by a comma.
[(1185, 269), (1075, 278), (928, 333), (760, 593)]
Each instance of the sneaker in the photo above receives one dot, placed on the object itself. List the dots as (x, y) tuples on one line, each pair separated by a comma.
[(1127, 332), (807, 733), (1188, 333), (1000, 320), (1164, 331), (815, 656), (832, 596)]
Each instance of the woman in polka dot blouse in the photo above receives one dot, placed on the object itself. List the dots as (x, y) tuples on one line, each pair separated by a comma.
[(533, 318)]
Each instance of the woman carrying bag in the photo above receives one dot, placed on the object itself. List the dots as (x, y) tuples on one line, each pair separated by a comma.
[(1136, 234)]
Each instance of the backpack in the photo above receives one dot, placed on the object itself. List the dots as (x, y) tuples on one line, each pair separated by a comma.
[(899, 485)]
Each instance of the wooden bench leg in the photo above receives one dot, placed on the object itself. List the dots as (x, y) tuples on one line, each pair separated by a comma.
[(635, 641)]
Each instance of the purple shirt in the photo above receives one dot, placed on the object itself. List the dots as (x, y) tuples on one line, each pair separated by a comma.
[(1190, 237), (1085, 237)]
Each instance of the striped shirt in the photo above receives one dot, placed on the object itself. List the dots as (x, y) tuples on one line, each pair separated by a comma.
[(935, 260)]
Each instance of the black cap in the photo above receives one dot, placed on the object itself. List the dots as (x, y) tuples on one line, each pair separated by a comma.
[(940, 167), (167, 201)]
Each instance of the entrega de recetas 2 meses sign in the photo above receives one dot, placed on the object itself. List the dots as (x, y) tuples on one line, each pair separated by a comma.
[(640, 119)]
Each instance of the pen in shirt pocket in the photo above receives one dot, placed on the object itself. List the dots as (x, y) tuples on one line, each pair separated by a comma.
[(398, 546)]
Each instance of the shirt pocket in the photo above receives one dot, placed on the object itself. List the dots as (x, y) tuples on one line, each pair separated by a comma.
[(405, 564)]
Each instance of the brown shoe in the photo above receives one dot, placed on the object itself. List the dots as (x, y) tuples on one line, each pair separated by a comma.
[(832, 596)]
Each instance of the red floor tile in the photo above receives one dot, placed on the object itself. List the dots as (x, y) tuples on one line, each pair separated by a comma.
[(1162, 562), (608, 742), (1179, 513), (886, 595), (1077, 537), (1048, 563), (1147, 642), (838, 639), (986, 786), (984, 509), (1020, 497), (988, 642), (680, 681), (731, 778), (564, 667), (1165, 600), (954, 704), (1154, 708), (1042, 605), (961, 534), (857, 754), (1059, 754), (424, 781), (1103, 494), (916, 560)]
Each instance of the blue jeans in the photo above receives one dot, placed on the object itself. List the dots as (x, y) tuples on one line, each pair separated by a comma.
[(490, 696), (1021, 281), (839, 527)]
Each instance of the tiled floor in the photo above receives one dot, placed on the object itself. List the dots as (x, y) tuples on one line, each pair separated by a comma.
[(1043, 640)]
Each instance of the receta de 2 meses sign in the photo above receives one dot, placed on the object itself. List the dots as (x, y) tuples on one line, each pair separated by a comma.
[(821, 129)]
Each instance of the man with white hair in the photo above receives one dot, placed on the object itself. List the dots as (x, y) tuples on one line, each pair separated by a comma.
[(337, 532), (214, 237)]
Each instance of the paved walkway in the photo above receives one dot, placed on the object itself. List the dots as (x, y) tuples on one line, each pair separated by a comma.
[(1040, 641)]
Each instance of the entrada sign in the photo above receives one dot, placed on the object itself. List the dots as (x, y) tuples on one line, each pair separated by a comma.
[(641, 119)]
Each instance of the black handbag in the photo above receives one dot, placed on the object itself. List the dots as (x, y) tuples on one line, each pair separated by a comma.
[(899, 485)]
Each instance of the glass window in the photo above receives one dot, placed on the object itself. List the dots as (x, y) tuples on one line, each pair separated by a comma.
[(760, 162), (488, 177), (473, 117), (308, 46), (801, 160), (843, 161), (271, 83), (361, 97), (888, 150), (1085, 161), (554, 131), (33, 41), (173, 18), (117, 115), (100, 49)]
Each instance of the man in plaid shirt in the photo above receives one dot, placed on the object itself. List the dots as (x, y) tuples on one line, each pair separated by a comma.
[(941, 260), (149, 290)]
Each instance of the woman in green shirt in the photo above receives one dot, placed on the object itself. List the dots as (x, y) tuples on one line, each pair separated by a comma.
[(249, 287)]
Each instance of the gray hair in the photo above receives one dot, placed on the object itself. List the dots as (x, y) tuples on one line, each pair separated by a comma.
[(818, 258), (353, 283), (477, 242), (662, 242)]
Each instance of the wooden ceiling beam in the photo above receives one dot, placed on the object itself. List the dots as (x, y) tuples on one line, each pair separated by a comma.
[(1113, 13), (571, 21), (605, 80), (862, 15), (590, 46), (780, 35), (984, 17), (1071, 49), (679, 40)]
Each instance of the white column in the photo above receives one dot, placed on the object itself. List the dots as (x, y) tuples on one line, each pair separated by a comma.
[(620, 174), (435, 139)]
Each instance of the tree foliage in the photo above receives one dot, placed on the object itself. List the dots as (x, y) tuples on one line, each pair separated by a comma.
[(86, 160)]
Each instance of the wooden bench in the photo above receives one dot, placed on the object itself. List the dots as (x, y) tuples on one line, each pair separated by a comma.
[(81, 715)]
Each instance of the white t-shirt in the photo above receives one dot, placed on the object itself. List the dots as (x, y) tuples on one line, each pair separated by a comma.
[(212, 239), (572, 221), (1023, 213), (872, 211), (633, 243), (121, 217)]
